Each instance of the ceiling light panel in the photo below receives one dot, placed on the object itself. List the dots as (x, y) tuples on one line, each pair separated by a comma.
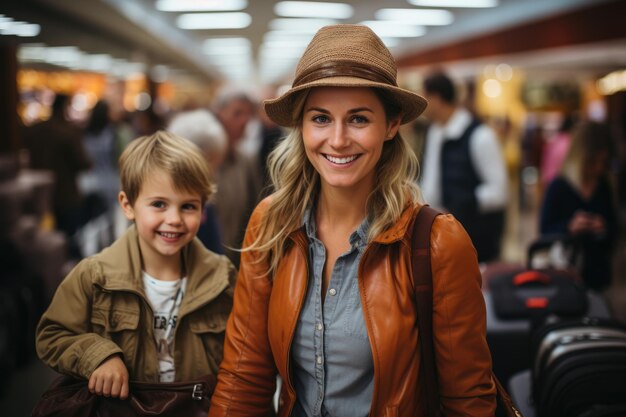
[(455, 3), (300, 25), (426, 17), (390, 42), (8, 26), (227, 46), (286, 52), (286, 34), (313, 9), (73, 58), (389, 29), (201, 5), (237, 20)]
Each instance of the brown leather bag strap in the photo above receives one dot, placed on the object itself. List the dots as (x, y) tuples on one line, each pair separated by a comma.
[(423, 281)]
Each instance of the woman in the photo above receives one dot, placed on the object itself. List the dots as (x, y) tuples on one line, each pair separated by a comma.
[(579, 202), (324, 294)]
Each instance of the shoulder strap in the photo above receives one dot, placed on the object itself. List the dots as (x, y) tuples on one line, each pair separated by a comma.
[(423, 281)]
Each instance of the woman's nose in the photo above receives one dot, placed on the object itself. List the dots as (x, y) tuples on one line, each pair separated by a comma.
[(338, 137)]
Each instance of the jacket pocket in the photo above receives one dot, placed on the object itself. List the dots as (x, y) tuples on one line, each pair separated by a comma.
[(212, 324), (121, 327), (210, 330), (114, 321)]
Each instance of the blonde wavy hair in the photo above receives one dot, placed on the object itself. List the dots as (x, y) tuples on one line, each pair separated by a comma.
[(296, 187)]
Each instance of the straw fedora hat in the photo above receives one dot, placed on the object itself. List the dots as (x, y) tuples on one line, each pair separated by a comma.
[(344, 56)]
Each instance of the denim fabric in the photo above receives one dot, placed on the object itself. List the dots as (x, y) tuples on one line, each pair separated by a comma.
[(332, 362)]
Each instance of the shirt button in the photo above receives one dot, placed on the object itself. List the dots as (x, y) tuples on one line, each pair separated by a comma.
[(318, 360), (332, 291), (319, 326)]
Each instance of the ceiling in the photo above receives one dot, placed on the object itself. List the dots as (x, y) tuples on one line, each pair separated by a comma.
[(135, 32)]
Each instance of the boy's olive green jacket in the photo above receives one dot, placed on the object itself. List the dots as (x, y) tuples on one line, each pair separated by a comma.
[(100, 309)]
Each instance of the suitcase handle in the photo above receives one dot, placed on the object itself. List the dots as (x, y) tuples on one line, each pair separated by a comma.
[(527, 277), (546, 242)]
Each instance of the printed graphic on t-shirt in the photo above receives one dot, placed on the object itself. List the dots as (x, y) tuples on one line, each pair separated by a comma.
[(165, 344), (165, 298)]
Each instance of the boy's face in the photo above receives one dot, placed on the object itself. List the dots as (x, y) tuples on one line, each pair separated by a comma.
[(166, 219)]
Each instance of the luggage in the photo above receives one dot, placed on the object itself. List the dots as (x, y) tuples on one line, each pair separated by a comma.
[(549, 286), (554, 252), (538, 293), (578, 365)]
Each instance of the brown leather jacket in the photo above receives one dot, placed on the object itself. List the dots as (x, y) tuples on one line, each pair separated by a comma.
[(261, 326)]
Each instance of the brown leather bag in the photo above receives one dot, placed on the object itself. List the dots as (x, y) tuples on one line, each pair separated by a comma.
[(70, 397), (423, 278)]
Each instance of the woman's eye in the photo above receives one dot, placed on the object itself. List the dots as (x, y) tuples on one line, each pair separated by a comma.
[(357, 118), (320, 118)]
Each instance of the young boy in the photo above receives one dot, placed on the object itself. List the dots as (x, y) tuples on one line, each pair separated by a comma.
[(153, 306)]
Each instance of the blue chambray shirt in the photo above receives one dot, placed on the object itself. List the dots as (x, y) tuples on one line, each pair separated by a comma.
[(333, 369)]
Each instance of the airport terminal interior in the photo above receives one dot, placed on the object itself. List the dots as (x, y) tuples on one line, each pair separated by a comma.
[(532, 71)]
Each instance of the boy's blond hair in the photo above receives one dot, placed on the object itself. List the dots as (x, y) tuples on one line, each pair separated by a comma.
[(165, 152)]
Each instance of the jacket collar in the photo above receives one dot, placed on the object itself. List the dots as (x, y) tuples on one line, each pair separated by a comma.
[(399, 228), (207, 276)]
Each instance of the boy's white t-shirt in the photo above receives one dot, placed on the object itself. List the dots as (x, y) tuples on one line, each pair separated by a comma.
[(165, 298)]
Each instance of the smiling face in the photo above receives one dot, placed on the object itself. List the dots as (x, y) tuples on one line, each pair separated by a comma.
[(344, 129), (166, 219)]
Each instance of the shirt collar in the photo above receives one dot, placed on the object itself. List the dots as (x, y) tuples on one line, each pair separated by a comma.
[(357, 238)]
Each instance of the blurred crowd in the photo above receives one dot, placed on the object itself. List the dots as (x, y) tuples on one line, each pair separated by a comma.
[(483, 170)]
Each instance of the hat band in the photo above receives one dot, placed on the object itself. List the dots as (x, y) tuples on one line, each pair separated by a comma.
[(343, 69)]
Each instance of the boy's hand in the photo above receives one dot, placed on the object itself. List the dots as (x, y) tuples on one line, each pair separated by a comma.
[(110, 379)]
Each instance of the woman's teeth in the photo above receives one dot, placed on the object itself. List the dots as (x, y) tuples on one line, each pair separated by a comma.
[(345, 160)]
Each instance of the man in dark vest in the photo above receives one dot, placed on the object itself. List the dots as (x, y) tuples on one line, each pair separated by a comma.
[(463, 168)]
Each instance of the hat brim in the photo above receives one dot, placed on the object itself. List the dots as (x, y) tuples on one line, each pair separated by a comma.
[(282, 109)]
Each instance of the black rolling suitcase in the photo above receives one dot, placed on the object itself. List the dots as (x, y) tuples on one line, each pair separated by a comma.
[(520, 298), (579, 366)]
